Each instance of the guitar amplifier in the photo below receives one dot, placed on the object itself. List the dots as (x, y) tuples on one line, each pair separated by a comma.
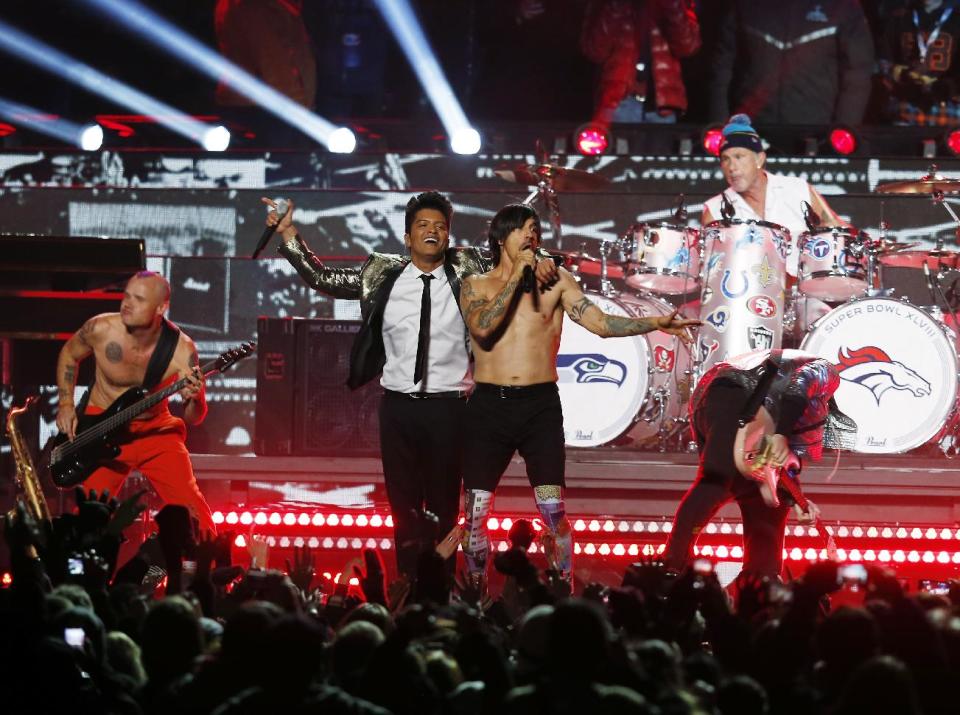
[(304, 406)]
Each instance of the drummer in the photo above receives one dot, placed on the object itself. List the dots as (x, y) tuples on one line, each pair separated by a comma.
[(760, 195)]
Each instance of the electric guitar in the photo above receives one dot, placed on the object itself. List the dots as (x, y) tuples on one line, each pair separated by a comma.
[(751, 454), (72, 462)]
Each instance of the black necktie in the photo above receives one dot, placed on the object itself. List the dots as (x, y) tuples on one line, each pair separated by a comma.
[(423, 342)]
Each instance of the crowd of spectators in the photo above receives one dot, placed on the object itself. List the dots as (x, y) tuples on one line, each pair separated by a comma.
[(180, 629)]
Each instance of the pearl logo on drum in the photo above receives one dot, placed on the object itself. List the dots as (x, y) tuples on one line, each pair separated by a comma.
[(871, 368)]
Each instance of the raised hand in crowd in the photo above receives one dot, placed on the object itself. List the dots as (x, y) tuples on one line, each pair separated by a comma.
[(259, 551), (125, 513), (372, 578), (301, 571)]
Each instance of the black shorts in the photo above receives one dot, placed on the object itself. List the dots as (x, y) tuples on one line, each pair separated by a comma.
[(502, 420)]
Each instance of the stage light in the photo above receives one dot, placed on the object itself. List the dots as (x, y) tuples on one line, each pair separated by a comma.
[(591, 140), (342, 141), (376, 521), (303, 520), (217, 517), (403, 23), (289, 519), (88, 137), (843, 140), (952, 141), (55, 62), (347, 520), (232, 517), (91, 137), (246, 518), (465, 141), (152, 27), (260, 519), (216, 139), (712, 139)]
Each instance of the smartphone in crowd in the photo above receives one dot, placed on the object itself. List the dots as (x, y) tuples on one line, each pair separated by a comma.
[(75, 566), (74, 637), (940, 588), (852, 574)]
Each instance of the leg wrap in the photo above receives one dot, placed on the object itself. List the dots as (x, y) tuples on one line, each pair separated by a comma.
[(476, 542), (558, 546)]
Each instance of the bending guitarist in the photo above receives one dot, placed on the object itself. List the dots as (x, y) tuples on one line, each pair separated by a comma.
[(791, 394), (138, 346)]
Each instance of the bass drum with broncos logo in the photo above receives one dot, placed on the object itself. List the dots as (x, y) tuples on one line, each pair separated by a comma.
[(610, 385), (898, 371)]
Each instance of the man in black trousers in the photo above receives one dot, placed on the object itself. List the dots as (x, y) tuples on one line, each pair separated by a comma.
[(414, 335)]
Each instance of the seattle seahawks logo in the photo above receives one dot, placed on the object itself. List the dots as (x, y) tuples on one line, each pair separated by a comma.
[(590, 367), (872, 368)]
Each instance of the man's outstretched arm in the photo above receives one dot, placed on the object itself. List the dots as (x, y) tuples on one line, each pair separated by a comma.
[(585, 312)]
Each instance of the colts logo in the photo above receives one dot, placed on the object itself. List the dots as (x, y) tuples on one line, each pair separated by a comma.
[(872, 368), (707, 346), (663, 359), (719, 318), (763, 306), (820, 248), (736, 292), (590, 367)]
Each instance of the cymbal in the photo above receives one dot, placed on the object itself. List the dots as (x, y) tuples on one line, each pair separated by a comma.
[(915, 259), (560, 178), (929, 184), (886, 246)]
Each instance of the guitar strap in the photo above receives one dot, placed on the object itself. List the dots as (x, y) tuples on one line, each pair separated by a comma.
[(162, 354), (770, 368)]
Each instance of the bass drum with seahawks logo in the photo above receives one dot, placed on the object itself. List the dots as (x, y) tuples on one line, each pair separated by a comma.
[(636, 387), (898, 371)]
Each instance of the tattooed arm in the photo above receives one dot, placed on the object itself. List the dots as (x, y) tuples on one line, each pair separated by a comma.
[(484, 316), (194, 394), (78, 347), (585, 313)]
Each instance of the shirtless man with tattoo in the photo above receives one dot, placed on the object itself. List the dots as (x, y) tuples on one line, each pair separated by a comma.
[(516, 404), (122, 345)]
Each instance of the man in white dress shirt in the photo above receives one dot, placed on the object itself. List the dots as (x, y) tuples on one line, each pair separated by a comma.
[(414, 334)]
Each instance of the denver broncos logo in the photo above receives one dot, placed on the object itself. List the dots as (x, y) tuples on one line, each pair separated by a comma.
[(872, 368), (590, 367)]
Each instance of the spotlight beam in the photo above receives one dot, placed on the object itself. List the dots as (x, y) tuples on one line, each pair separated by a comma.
[(149, 26), (41, 122), (55, 62), (402, 21)]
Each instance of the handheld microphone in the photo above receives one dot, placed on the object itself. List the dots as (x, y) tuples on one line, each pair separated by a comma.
[(282, 208), (526, 283)]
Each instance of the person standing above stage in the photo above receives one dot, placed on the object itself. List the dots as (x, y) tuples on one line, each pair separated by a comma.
[(123, 346), (515, 330), (760, 195), (792, 62), (413, 332), (797, 397)]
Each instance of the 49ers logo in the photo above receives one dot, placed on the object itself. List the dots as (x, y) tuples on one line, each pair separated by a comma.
[(762, 305)]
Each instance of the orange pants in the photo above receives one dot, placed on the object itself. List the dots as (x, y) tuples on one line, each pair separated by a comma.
[(155, 446)]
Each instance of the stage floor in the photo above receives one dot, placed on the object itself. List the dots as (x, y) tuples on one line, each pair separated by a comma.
[(865, 489)]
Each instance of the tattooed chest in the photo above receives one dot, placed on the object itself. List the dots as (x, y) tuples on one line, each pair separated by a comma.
[(122, 365)]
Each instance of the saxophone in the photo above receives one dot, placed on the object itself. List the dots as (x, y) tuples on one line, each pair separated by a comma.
[(26, 474)]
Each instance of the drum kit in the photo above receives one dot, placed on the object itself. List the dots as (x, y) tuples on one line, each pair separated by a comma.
[(897, 361)]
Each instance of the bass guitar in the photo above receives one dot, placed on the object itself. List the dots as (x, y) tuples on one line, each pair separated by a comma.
[(72, 462)]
